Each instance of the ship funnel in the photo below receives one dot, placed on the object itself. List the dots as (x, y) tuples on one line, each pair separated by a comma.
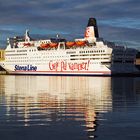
[(92, 29)]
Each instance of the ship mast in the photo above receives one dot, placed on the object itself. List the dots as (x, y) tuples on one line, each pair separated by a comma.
[(27, 37)]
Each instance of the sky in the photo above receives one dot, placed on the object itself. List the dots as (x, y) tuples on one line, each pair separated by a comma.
[(118, 20)]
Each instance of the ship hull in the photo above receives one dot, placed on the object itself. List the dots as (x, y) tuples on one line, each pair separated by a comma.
[(93, 70)]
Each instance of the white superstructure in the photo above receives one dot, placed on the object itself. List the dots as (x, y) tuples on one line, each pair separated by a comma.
[(88, 56)]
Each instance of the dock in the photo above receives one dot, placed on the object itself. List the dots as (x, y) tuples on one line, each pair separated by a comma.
[(2, 57)]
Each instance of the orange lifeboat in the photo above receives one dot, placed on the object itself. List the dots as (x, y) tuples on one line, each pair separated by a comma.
[(70, 44), (44, 45), (80, 43), (53, 45), (27, 44)]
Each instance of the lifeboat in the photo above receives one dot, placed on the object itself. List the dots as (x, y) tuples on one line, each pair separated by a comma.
[(80, 43), (53, 45), (70, 44), (44, 45), (27, 44)]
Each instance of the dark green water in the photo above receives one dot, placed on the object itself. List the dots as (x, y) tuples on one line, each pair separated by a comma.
[(69, 108)]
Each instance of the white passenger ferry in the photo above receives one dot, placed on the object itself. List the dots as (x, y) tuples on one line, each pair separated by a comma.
[(90, 55)]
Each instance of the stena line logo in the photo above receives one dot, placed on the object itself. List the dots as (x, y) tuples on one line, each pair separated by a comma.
[(25, 68)]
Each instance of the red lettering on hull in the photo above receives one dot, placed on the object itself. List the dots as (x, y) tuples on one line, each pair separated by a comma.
[(66, 66)]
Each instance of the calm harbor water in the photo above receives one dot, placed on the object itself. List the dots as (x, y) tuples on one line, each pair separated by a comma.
[(69, 108)]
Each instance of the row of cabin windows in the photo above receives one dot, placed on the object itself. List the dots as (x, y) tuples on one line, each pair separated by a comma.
[(16, 54), (55, 56), (37, 57), (31, 50), (95, 51), (10, 51), (30, 58), (90, 55), (90, 58), (70, 52), (30, 61), (21, 50), (22, 58), (34, 58)]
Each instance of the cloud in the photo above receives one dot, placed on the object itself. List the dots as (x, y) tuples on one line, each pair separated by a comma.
[(125, 36), (127, 23), (70, 17)]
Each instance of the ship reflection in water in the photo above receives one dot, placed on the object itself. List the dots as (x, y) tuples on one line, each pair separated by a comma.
[(72, 108)]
